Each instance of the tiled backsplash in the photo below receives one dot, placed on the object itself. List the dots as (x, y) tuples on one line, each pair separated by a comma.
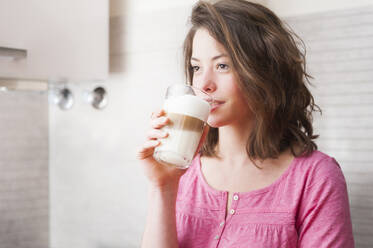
[(340, 58), (24, 193)]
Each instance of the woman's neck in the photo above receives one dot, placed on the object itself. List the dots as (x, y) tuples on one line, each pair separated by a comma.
[(232, 143), (231, 148)]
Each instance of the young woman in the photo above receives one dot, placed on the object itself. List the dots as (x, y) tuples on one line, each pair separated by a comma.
[(258, 179)]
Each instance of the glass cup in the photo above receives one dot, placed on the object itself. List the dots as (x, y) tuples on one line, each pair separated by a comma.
[(187, 109)]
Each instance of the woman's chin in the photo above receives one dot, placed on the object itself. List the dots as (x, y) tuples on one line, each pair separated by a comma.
[(213, 122), (213, 125)]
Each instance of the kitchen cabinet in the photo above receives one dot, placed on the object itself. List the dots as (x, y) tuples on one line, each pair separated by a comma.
[(54, 39)]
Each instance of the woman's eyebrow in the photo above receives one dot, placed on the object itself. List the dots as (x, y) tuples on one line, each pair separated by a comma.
[(213, 58)]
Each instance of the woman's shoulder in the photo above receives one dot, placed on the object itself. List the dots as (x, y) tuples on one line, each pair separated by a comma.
[(315, 157), (318, 160), (319, 168)]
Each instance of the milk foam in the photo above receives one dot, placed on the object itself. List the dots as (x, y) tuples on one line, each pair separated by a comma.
[(188, 105)]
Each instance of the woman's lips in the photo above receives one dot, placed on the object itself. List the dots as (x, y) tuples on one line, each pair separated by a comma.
[(216, 104)]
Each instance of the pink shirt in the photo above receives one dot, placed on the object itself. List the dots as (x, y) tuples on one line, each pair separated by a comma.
[(306, 207)]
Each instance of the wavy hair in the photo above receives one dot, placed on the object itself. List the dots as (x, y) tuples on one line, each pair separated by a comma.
[(269, 59)]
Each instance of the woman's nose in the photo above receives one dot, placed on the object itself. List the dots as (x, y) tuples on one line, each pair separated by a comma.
[(208, 83), (209, 87)]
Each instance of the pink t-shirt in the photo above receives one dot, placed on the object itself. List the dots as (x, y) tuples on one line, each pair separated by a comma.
[(306, 207)]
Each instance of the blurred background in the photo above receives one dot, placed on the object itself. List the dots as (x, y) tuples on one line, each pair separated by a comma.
[(80, 78)]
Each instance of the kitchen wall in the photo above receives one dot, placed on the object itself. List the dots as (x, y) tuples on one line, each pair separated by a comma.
[(339, 54), (338, 37), (24, 196), (295, 7), (97, 189)]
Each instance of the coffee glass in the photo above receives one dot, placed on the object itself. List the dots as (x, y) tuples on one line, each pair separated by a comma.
[(187, 109)]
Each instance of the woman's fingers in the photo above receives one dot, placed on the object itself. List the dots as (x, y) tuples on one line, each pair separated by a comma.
[(157, 114), (159, 122), (147, 149), (157, 134)]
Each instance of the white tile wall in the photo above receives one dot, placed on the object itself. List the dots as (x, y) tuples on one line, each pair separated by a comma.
[(24, 196), (301, 7), (98, 190), (340, 57)]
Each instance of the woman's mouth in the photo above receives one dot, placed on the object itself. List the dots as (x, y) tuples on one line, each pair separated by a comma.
[(215, 105)]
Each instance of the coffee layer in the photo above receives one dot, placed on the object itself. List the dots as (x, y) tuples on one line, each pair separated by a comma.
[(184, 122)]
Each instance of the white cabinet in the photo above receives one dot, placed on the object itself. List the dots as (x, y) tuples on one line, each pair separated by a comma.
[(54, 39)]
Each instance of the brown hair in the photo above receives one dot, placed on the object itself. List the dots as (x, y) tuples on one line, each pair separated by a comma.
[(271, 73)]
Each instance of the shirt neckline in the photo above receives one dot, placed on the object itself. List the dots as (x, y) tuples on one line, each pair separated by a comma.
[(247, 193)]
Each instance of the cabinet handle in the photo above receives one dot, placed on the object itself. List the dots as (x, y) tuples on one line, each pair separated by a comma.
[(13, 52)]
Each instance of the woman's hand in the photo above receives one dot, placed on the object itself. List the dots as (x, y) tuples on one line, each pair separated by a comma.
[(160, 230), (161, 177)]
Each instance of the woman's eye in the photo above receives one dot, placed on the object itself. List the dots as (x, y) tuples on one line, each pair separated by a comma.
[(195, 68), (223, 66)]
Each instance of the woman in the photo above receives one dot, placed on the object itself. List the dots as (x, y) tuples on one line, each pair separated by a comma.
[(258, 179)]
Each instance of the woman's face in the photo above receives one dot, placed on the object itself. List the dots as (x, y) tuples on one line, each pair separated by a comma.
[(214, 74)]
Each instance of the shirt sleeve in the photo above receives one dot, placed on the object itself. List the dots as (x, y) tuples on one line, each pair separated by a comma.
[(324, 219)]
